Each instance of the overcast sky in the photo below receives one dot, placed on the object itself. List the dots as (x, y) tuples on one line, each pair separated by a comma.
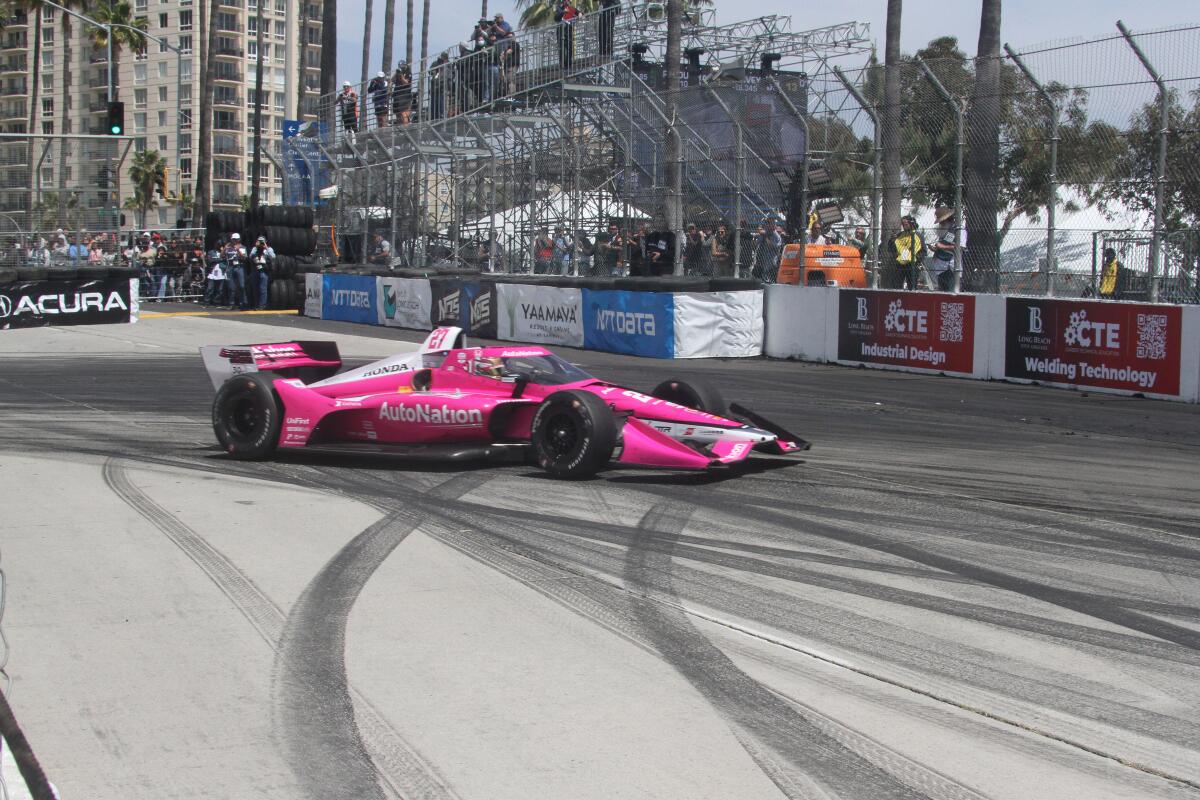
[(1025, 22)]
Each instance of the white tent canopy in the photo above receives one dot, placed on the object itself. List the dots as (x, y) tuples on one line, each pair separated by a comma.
[(595, 209)]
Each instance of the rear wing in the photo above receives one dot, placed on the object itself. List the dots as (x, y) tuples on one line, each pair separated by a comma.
[(305, 360)]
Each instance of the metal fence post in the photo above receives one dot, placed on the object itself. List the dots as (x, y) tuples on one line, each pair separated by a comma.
[(1052, 201), (1160, 178), (870, 111), (958, 106), (800, 118)]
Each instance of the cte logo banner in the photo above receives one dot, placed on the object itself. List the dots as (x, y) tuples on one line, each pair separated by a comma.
[(910, 329), (1128, 346), (349, 298), (636, 323)]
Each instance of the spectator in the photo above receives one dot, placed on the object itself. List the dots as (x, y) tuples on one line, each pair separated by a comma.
[(859, 241), (147, 256), (39, 254), (347, 103), (381, 252), (768, 244), (215, 294), (565, 14), (402, 94), (235, 272), (508, 57), (943, 249), (693, 250), (746, 251), (609, 246), (58, 244), (908, 251), (440, 83), (96, 252), (660, 252), (494, 254), (563, 245), (608, 22), (1114, 277), (378, 90), (77, 253), (503, 29), (262, 257), (636, 243), (543, 252), (584, 250), (720, 252)]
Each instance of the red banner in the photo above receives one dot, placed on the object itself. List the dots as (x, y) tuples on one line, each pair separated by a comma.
[(1128, 346), (910, 329)]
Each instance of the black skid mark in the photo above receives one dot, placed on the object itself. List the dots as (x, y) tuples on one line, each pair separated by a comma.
[(763, 721)]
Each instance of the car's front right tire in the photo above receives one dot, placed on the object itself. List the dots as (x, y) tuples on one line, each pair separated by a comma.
[(573, 434), (247, 417)]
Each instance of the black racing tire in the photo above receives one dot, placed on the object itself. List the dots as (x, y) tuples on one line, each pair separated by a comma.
[(573, 434), (273, 295), (246, 417), (692, 393)]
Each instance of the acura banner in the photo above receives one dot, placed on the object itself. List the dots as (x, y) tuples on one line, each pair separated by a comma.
[(32, 304), (909, 329), (1127, 346)]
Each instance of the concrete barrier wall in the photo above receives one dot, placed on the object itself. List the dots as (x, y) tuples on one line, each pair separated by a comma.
[(1124, 348)]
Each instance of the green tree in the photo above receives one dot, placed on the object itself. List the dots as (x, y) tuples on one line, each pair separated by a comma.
[(890, 123), (144, 173), (131, 34)]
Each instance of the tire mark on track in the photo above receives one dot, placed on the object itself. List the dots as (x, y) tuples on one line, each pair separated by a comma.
[(329, 747), (817, 765)]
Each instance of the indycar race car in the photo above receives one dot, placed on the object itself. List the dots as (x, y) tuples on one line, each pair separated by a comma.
[(454, 401)]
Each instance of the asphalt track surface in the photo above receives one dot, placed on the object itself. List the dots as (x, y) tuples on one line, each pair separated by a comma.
[(965, 590)]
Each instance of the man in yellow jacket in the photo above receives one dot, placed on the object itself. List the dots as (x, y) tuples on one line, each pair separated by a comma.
[(908, 252), (1110, 276)]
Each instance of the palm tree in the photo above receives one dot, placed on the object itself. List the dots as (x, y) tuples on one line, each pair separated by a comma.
[(118, 12), (408, 41), (204, 156), (302, 46), (982, 196), (673, 169), (328, 59), (389, 24), (366, 67), (144, 172), (890, 122)]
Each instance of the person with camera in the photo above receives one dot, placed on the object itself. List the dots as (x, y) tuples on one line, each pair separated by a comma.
[(347, 103), (378, 90), (402, 94), (235, 272), (262, 261), (565, 14), (214, 291)]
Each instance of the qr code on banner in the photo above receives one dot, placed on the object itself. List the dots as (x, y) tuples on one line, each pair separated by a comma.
[(1152, 336), (952, 322)]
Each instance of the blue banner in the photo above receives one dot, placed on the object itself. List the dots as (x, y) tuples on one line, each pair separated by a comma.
[(301, 159), (634, 323), (349, 298)]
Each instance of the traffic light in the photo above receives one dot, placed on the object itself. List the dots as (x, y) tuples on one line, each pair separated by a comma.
[(116, 118), (160, 182)]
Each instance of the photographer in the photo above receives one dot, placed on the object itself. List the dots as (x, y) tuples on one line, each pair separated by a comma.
[(565, 14), (262, 259), (378, 90), (235, 272), (214, 293), (402, 94)]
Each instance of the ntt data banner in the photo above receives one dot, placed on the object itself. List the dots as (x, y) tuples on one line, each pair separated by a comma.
[(635, 323), (349, 298), (920, 330), (33, 304), (404, 303), (1128, 346), (540, 314)]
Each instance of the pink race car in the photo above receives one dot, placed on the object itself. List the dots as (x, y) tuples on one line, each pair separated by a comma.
[(454, 401)]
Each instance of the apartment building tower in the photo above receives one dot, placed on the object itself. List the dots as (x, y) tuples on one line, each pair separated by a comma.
[(161, 92)]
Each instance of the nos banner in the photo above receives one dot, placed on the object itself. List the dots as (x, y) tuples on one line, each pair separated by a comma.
[(636, 323), (1126, 346), (479, 305), (349, 298), (33, 304), (404, 303), (908, 329), (540, 314)]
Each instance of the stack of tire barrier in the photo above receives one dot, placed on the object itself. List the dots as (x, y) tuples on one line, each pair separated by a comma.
[(289, 232), (220, 224)]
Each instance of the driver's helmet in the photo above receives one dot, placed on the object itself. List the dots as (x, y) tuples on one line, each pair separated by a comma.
[(490, 366)]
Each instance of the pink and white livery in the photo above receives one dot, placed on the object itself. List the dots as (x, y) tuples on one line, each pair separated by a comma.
[(454, 401)]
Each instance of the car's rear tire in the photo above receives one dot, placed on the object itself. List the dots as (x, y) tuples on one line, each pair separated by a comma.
[(692, 393), (573, 434), (246, 417)]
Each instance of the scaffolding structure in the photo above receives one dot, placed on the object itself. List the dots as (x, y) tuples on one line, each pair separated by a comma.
[(573, 134)]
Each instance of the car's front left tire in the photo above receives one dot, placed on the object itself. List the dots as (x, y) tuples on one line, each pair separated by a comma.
[(246, 417)]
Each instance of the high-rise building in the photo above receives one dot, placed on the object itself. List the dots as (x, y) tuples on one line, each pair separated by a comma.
[(161, 93)]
